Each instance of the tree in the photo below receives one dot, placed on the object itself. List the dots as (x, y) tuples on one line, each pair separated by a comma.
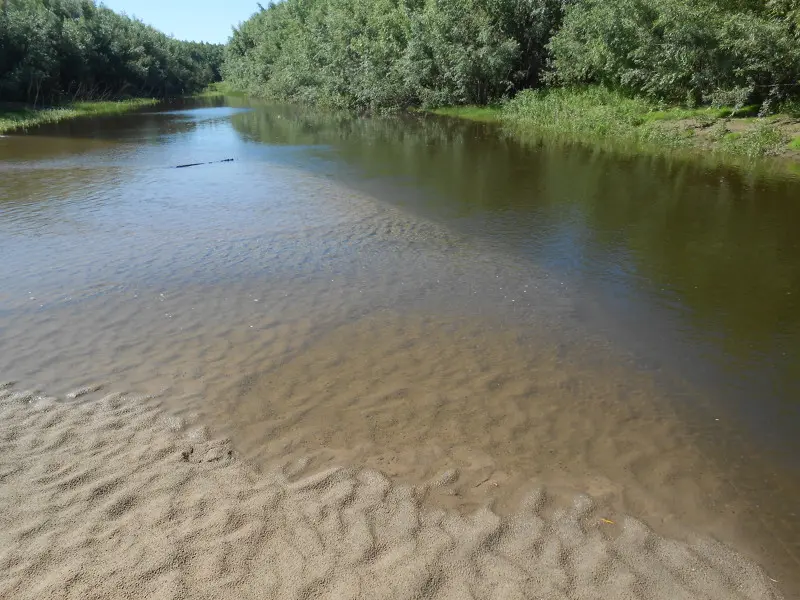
[(678, 50), (58, 50)]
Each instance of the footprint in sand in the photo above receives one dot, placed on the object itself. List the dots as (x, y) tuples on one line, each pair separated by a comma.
[(207, 453)]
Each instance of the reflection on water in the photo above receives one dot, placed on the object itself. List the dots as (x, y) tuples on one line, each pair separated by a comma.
[(314, 253), (695, 264)]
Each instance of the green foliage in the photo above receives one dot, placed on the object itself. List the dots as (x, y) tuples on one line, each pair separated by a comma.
[(370, 54), (787, 11), (679, 51), (456, 55), (219, 88), (55, 51), (791, 108), (704, 114), (596, 113), (579, 113), (795, 143), (397, 53), (763, 140)]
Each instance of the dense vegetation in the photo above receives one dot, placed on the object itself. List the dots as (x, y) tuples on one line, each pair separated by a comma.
[(57, 51), (733, 52), (396, 53), (388, 53)]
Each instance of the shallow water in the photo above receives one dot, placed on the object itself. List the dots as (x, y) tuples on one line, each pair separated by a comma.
[(417, 294)]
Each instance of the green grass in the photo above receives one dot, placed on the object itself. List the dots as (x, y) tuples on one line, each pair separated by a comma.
[(580, 114), (706, 112), (593, 116), (12, 119), (763, 139), (486, 114), (596, 114), (601, 117)]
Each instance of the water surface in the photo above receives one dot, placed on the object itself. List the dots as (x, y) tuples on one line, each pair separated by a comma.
[(343, 267)]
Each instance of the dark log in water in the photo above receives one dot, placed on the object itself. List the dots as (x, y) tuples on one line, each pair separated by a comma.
[(224, 160)]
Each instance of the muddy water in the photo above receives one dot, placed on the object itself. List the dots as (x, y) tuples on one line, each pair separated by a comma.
[(418, 295)]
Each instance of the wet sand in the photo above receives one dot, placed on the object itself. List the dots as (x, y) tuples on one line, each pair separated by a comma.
[(462, 418), (115, 497)]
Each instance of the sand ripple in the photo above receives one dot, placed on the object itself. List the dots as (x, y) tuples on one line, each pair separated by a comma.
[(116, 498)]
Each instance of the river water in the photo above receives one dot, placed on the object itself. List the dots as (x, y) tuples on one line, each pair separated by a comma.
[(416, 294)]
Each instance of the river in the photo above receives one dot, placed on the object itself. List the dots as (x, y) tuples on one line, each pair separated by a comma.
[(417, 293)]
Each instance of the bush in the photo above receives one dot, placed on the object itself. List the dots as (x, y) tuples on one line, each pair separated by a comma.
[(392, 53), (763, 140), (679, 51), (457, 55)]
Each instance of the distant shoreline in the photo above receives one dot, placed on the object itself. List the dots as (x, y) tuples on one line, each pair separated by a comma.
[(598, 117), (19, 117)]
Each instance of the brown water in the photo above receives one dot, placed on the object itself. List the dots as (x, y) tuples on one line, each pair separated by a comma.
[(420, 294)]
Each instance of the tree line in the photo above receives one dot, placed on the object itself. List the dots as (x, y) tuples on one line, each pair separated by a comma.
[(368, 54), (56, 51), (371, 54)]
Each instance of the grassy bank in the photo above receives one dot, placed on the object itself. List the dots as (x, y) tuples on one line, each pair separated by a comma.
[(16, 118), (485, 114), (596, 115)]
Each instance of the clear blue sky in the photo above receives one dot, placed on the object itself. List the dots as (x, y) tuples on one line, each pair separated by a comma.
[(196, 20)]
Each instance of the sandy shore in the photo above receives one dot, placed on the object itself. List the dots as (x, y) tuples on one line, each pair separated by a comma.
[(113, 497)]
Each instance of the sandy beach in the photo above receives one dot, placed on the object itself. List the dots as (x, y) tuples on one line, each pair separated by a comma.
[(111, 496)]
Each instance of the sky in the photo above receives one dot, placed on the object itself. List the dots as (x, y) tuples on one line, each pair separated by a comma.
[(195, 20)]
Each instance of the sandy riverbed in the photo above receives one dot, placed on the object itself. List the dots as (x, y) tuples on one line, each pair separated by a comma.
[(113, 497)]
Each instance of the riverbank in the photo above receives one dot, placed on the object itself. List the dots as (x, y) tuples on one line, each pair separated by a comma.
[(20, 118), (596, 115)]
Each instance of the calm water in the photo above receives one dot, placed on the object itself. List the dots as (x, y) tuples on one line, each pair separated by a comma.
[(696, 270), (687, 273)]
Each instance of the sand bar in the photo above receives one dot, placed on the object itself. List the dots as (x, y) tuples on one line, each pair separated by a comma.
[(113, 497)]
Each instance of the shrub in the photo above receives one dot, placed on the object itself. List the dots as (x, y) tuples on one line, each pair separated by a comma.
[(679, 51), (392, 53)]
